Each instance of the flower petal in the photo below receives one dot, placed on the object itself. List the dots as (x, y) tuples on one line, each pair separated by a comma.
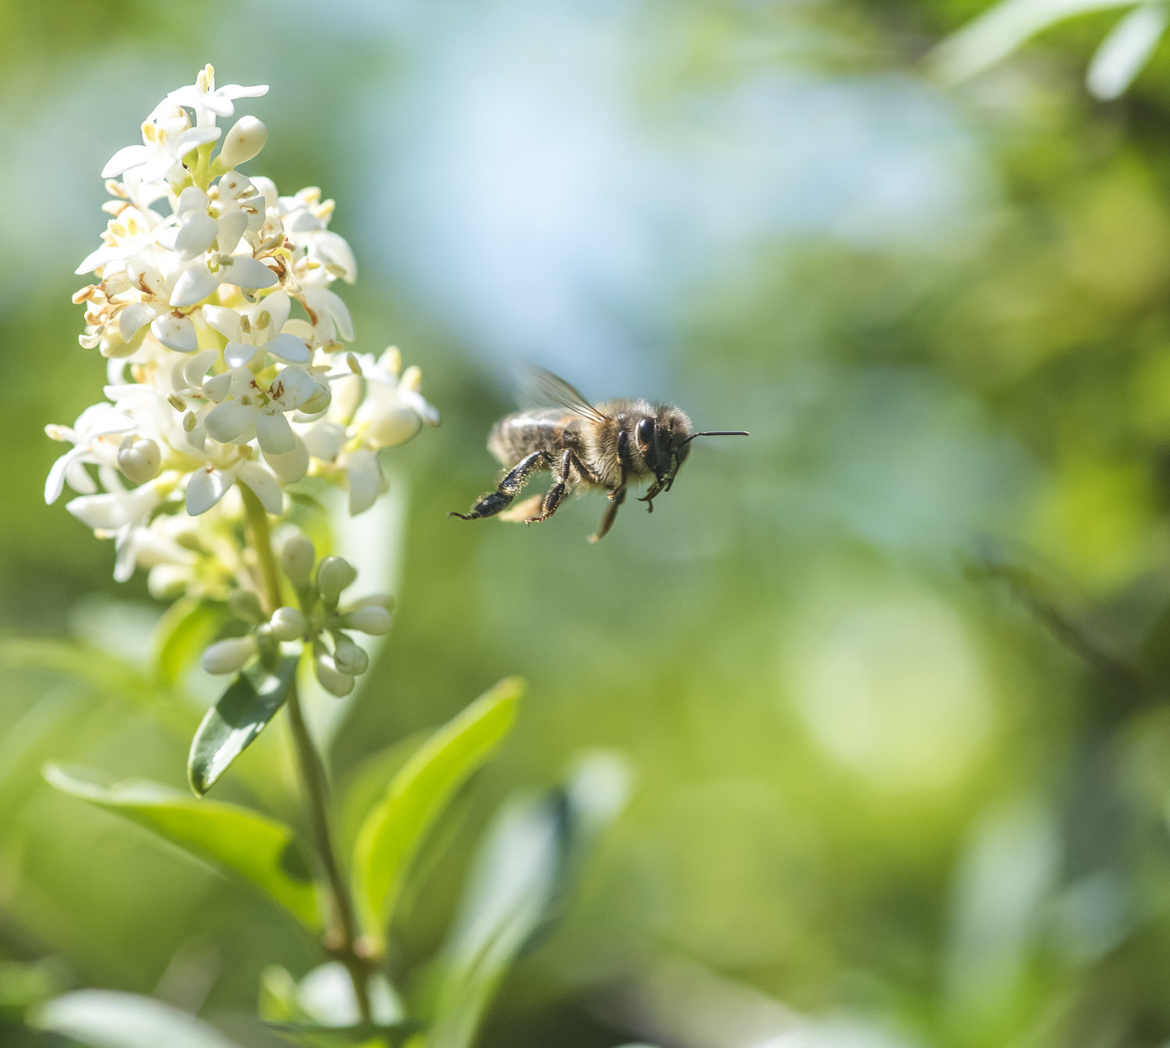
[(336, 250), (225, 321), (100, 512), (126, 157), (195, 368), (195, 283), (191, 199), (288, 347), (133, 319), (325, 440), (230, 421), (246, 272), (55, 481), (238, 354), (78, 478), (365, 480), (231, 227), (196, 234), (264, 486), (322, 300), (292, 465), (175, 332), (126, 555), (193, 138), (276, 306), (275, 434), (98, 257), (293, 386), (205, 489)]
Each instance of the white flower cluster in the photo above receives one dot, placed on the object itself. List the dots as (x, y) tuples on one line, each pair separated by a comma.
[(225, 347)]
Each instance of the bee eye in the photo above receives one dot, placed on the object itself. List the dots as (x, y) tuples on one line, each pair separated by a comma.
[(644, 433)]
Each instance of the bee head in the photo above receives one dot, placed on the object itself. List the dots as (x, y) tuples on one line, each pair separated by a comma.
[(663, 441), (660, 441)]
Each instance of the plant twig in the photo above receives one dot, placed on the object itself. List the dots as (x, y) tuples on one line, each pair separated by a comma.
[(342, 938)]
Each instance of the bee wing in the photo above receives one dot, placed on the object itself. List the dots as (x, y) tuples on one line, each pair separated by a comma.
[(547, 389)]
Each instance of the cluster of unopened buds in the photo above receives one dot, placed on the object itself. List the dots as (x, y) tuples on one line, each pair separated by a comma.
[(213, 304), (320, 620)]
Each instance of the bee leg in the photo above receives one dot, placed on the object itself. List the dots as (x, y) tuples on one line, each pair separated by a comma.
[(654, 491), (554, 495), (616, 497), (514, 480)]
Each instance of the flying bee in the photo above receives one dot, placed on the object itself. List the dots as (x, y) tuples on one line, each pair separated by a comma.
[(607, 446)]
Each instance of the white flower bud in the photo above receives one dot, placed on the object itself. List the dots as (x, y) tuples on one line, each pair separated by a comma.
[(139, 459), (332, 679), (348, 657), (228, 656), (287, 624), (297, 557), (244, 604), (244, 141), (333, 575), (370, 619)]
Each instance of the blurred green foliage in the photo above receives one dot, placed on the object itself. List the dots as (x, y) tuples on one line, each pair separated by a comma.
[(891, 675)]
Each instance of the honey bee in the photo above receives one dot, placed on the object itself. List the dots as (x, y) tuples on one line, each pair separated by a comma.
[(607, 446)]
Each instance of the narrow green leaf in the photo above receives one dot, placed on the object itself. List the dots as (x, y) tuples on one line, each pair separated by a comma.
[(106, 673), (395, 827), (529, 858), (240, 841), (365, 785), (186, 628), (235, 720), (105, 1019)]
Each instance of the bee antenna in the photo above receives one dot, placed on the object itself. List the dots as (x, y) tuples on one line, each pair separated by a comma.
[(718, 433)]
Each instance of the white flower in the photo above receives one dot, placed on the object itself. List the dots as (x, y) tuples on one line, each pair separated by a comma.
[(321, 254), (251, 411), (147, 170), (121, 514), (258, 328), (202, 278), (392, 410), (208, 485), (95, 437), (208, 101)]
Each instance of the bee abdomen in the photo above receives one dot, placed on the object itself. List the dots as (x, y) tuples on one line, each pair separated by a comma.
[(515, 436)]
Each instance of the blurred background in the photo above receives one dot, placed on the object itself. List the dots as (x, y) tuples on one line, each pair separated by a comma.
[(889, 676)]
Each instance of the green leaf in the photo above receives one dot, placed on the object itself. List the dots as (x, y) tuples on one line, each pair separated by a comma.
[(25, 984), (105, 1019), (395, 827), (235, 720), (529, 857), (186, 628), (1002, 28), (105, 673), (365, 785), (240, 841)]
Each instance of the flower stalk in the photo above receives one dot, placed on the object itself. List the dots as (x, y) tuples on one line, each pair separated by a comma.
[(342, 937)]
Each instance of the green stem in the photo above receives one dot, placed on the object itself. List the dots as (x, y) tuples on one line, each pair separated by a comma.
[(262, 543), (342, 938)]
